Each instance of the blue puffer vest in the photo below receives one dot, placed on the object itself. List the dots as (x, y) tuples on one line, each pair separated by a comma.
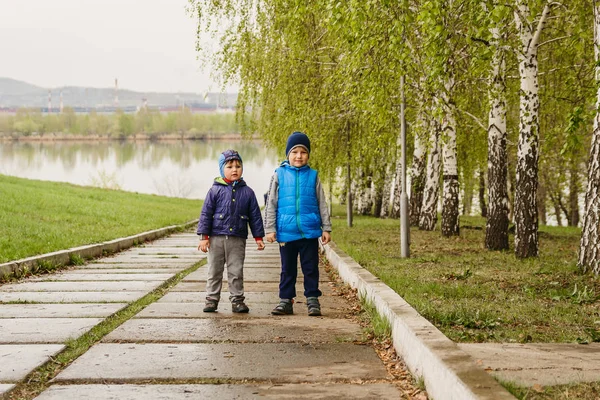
[(298, 215)]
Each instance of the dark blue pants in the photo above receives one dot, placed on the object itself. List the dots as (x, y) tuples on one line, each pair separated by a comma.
[(309, 262)]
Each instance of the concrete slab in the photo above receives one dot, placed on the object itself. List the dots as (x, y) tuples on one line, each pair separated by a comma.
[(5, 387), (44, 330), (277, 362), (71, 297), (120, 266), (16, 361), (277, 330), (545, 364), (332, 307), (198, 286), (141, 271), (191, 258), (194, 310), (199, 297), (151, 260), (267, 267), (369, 391), (72, 276), (59, 310), (166, 250), (80, 286), (250, 274), (130, 263)]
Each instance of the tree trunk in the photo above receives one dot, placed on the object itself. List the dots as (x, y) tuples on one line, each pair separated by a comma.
[(482, 204), (526, 212), (574, 194), (589, 247), (467, 195), (557, 210), (428, 217), (541, 202), (496, 231), (417, 176), (349, 210), (510, 188), (450, 204), (377, 198), (363, 197), (395, 212), (387, 187)]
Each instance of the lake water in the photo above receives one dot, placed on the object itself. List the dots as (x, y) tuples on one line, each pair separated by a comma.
[(169, 168)]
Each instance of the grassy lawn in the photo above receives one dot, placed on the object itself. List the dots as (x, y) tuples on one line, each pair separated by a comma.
[(38, 217), (475, 295)]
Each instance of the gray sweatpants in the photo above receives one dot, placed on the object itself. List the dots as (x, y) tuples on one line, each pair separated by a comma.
[(230, 250)]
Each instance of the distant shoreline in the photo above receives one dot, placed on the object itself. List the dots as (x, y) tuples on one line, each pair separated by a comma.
[(51, 137)]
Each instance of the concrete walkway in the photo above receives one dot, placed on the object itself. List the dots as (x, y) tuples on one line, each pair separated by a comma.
[(172, 350)]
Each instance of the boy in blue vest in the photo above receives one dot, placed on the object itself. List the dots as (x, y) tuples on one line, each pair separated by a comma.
[(230, 206), (297, 216)]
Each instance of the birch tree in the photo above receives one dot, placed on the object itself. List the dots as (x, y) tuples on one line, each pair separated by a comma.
[(589, 248), (529, 30), (450, 204), (428, 217), (496, 233), (417, 172)]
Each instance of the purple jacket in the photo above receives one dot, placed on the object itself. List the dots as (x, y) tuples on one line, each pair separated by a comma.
[(228, 209)]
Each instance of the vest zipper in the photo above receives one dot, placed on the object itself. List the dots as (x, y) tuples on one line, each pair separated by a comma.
[(298, 203)]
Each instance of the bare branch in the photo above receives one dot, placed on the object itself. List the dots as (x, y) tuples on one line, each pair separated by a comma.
[(542, 21), (554, 40), (477, 120)]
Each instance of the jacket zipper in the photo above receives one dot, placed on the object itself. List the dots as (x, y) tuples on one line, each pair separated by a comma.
[(298, 202)]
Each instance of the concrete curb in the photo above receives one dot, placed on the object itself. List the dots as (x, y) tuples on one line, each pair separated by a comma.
[(63, 257), (448, 371)]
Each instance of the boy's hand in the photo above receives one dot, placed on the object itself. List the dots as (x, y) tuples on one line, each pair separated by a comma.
[(271, 237), (260, 244), (204, 245), (325, 238)]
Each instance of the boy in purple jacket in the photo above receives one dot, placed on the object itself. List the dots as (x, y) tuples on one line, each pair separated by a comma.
[(230, 206)]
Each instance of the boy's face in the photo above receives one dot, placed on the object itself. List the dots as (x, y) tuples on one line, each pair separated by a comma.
[(298, 157), (233, 170)]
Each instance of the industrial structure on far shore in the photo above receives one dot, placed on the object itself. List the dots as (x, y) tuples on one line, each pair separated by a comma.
[(16, 95)]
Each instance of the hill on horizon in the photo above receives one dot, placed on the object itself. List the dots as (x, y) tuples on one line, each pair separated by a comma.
[(16, 94)]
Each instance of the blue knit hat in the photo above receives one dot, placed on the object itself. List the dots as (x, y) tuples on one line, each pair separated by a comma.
[(297, 139), (226, 156)]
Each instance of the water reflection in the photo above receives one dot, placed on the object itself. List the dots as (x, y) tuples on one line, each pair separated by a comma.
[(174, 168)]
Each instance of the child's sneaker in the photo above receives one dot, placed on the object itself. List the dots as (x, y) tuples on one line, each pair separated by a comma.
[(210, 306), (285, 307), (314, 308), (239, 307)]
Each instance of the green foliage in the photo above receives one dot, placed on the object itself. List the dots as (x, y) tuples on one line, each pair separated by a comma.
[(333, 68)]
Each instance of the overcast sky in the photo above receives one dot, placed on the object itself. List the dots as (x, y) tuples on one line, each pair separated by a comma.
[(148, 45)]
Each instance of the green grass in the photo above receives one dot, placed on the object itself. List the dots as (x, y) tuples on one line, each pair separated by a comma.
[(38, 217), (475, 295), (578, 391)]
